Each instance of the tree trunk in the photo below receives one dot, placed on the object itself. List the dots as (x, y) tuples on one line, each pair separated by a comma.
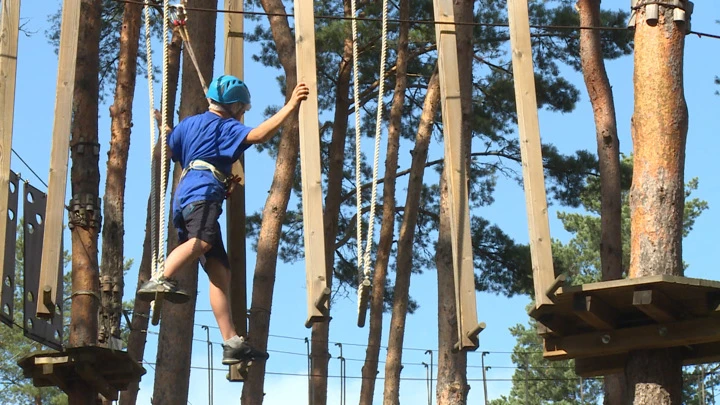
[(275, 208), (387, 229), (111, 266), (172, 372), (141, 309), (321, 330), (393, 363), (659, 132), (452, 385), (452, 367), (608, 147), (85, 181)]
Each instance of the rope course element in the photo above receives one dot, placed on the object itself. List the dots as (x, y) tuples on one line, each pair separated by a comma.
[(179, 20), (364, 252), (428, 22)]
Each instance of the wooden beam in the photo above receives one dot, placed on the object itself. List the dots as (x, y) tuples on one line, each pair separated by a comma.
[(677, 334), (530, 150), (9, 28), (235, 216), (595, 312), (604, 365), (310, 161), (57, 179), (656, 305), (457, 177)]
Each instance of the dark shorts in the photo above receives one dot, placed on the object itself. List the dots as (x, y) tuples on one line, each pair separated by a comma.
[(200, 220)]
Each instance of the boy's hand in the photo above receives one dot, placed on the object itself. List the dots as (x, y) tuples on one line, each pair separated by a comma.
[(299, 95)]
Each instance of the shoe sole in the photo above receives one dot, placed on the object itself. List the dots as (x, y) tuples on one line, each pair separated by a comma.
[(178, 297)]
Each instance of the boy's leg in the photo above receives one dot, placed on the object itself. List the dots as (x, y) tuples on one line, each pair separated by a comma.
[(235, 349), (219, 276)]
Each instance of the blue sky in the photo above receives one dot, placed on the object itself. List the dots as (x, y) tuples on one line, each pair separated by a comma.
[(285, 382)]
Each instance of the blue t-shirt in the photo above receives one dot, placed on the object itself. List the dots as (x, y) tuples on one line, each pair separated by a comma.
[(207, 137)]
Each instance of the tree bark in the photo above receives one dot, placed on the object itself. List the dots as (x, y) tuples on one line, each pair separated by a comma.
[(320, 334), (111, 265), (387, 229), (172, 372), (85, 182), (141, 309), (608, 147), (393, 363), (275, 208), (659, 133), (452, 387)]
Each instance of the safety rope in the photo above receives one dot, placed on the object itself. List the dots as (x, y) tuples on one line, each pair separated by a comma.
[(153, 186), (163, 137), (358, 137), (179, 20), (364, 252)]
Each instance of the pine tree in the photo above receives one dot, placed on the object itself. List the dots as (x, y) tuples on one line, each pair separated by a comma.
[(555, 382)]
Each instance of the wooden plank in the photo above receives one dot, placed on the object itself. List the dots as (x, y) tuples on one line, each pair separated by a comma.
[(682, 333), (604, 365), (456, 165), (656, 305), (595, 312), (9, 28), (666, 280), (310, 160), (57, 179), (530, 150), (235, 216)]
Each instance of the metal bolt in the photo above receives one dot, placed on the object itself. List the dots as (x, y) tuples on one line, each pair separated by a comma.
[(662, 331), (605, 339)]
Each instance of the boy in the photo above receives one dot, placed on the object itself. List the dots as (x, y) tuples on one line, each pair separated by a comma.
[(206, 145)]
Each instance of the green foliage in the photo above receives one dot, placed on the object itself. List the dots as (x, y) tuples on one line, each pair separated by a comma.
[(539, 382), (579, 258)]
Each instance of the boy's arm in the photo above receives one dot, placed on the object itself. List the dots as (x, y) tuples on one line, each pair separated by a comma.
[(267, 129)]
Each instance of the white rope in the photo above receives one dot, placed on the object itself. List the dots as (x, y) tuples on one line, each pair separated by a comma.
[(364, 252), (163, 137), (153, 186), (378, 133), (358, 151)]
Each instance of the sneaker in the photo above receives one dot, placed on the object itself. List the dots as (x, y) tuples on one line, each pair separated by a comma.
[(234, 355), (154, 286)]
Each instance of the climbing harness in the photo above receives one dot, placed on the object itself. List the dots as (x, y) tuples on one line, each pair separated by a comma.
[(364, 271), (228, 181)]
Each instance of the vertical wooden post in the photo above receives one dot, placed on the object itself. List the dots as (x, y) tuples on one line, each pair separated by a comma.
[(57, 179), (9, 28), (530, 149), (455, 159), (235, 216), (312, 200)]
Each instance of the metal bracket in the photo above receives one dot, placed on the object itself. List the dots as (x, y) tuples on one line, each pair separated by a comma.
[(178, 16), (85, 211), (682, 11), (45, 331), (7, 291)]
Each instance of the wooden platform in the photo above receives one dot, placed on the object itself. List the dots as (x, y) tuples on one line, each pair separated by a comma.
[(108, 371), (598, 324)]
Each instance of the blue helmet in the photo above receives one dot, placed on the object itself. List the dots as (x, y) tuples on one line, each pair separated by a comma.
[(228, 89)]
